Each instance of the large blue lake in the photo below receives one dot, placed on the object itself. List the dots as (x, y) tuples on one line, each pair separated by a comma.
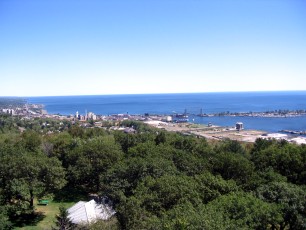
[(193, 103)]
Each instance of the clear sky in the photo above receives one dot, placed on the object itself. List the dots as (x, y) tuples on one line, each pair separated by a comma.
[(79, 47)]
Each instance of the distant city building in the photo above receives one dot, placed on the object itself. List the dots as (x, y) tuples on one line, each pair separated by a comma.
[(9, 111), (82, 118), (239, 126), (91, 116)]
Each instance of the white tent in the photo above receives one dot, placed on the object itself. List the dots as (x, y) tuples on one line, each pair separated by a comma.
[(88, 212)]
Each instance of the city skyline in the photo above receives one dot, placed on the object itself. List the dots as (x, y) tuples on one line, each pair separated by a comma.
[(51, 48)]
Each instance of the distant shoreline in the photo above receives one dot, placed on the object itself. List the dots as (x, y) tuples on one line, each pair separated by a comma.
[(278, 106), (283, 113), (162, 93)]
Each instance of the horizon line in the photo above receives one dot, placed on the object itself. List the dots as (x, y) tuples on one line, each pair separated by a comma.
[(121, 94)]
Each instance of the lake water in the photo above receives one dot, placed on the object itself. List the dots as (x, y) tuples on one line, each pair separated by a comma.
[(193, 103)]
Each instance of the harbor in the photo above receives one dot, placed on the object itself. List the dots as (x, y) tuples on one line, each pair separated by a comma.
[(245, 127)]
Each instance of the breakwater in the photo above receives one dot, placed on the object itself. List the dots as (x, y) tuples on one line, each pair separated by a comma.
[(293, 132), (275, 113)]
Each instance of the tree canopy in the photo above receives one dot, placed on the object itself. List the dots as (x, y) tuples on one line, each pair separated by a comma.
[(155, 179)]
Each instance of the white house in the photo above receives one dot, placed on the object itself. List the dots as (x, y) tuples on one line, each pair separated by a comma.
[(89, 212)]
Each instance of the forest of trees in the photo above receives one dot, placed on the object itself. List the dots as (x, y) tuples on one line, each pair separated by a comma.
[(156, 179), (10, 102)]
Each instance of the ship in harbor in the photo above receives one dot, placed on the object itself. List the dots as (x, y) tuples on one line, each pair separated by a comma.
[(180, 117), (181, 120)]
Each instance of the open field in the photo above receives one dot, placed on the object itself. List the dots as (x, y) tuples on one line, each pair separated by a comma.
[(45, 216), (211, 133), (244, 135)]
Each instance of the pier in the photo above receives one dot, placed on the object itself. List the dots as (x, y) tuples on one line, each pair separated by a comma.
[(293, 132)]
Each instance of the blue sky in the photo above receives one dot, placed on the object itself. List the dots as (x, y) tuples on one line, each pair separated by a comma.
[(55, 47)]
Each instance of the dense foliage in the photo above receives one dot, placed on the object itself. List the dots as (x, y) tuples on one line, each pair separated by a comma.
[(8, 102), (156, 179)]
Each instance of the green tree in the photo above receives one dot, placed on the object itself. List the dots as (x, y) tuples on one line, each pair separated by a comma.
[(89, 162), (160, 138), (287, 159), (62, 221), (244, 211), (187, 216), (211, 187), (62, 144), (231, 146), (189, 163), (233, 166), (76, 131), (261, 144), (110, 224), (169, 190), (290, 199), (25, 175), (5, 223), (124, 177), (125, 140), (31, 140)]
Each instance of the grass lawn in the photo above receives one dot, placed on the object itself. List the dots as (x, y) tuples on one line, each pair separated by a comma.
[(45, 215)]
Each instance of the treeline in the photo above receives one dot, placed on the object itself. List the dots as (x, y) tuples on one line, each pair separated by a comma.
[(15, 124), (157, 179), (11, 102)]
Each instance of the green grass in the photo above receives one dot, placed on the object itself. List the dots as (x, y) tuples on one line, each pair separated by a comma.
[(45, 216)]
